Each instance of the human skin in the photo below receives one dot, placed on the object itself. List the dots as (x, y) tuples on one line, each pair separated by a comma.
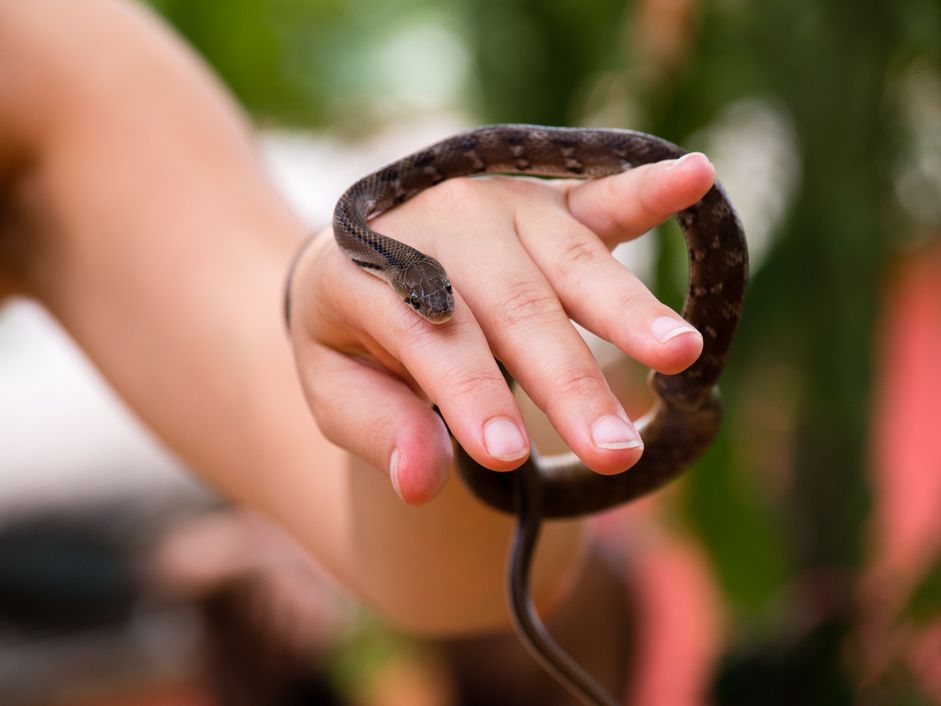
[(135, 210)]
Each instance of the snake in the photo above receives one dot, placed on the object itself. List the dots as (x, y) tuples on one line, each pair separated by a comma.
[(686, 412)]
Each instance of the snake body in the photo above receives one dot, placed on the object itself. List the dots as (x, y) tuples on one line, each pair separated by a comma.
[(686, 414)]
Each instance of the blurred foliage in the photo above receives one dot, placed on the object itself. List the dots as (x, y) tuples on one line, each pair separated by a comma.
[(366, 649), (324, 62), (924, 602), (805, 670), (834, 70), (531, 57)]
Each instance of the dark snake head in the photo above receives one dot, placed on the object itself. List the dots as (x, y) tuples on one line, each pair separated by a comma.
[(426, 288)]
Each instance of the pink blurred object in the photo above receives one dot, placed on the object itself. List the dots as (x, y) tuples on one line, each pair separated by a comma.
[(906, 454), (679, 612), (907, 440)]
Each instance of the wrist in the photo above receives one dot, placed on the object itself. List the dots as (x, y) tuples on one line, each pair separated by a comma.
[(299, 262)]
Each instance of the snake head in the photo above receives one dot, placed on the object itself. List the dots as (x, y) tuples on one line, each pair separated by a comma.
[(426, 288)]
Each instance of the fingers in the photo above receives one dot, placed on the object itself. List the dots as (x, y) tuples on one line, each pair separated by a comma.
[(521, 266), (626, 205), (375, 415), (530, 331), (452, 364), (602, 295)]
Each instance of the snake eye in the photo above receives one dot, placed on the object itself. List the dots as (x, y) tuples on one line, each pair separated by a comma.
[(448, 287), (413, 301)]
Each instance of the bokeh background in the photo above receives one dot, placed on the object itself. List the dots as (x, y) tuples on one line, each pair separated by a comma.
[(799, 562)]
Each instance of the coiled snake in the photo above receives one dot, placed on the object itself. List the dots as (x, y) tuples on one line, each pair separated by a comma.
[(686, 414)]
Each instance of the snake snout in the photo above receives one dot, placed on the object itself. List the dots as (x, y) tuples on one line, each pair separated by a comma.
[(438, 307), (429, 290)]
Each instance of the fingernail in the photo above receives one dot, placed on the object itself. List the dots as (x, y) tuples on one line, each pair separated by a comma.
[(504, 440), (685, 158), (610, 432), (394, 471), (666, 327)]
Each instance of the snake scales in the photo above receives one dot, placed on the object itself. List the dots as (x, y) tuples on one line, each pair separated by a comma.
[(686, 414)]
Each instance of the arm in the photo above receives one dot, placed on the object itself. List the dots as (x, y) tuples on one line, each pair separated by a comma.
[(142, 220), (139, 215)]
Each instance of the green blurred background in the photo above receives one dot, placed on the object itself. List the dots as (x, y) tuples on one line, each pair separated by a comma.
[(826, 119)]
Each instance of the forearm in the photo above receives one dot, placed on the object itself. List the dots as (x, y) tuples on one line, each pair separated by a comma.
[(159, 245)]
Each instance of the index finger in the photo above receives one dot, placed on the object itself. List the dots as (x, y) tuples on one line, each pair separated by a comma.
[(452, 364), (626, 205)]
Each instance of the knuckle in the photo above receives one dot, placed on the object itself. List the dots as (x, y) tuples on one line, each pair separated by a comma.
[(463, 382), (528, 302), (576, 381), (576, 255), (457, 193), (409, 327), (635, 298)]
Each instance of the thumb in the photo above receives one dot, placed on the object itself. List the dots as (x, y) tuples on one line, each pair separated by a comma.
[(378, 417)]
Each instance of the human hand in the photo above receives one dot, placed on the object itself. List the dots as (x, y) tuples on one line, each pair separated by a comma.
[(524, 257)]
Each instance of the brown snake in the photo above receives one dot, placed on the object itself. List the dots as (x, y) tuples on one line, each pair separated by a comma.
[(686, 414)]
